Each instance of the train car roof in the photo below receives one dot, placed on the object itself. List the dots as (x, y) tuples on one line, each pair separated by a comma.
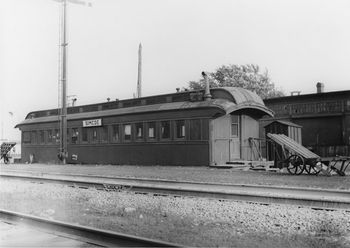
[(225, 100)]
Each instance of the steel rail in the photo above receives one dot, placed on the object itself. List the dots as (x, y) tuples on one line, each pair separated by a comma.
[(89, 235), (317, 198)]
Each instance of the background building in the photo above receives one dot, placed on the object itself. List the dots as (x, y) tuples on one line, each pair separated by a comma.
[(324, 117)]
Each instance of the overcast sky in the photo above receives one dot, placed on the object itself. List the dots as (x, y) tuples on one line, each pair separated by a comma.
[(300, 42)]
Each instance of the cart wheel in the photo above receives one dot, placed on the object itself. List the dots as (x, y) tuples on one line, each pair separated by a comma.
[(6, 160), (312, 169), (295, 164)]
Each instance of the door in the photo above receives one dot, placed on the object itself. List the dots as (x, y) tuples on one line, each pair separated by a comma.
[(225, 139), (235, 146)]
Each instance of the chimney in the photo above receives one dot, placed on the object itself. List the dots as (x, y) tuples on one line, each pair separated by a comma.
[(207, 95), (320, 87)]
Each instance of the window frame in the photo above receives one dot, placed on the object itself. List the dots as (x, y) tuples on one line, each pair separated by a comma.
[(50, 136), (236, 125), (41, 137), (56, 138), (160, 130), (92, 139), (154, 138), (191, 128), (73, 132), (33, 137), (85, 133), (104, 134), (124, 134), (26, 137), (183, 129), (142, 138), (113, 138)]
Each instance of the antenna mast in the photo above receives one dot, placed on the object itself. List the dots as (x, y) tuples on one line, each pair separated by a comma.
[(139, 75)]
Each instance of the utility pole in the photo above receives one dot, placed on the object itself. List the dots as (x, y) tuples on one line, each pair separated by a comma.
[(63, 80), (139, 75), (63, 151)]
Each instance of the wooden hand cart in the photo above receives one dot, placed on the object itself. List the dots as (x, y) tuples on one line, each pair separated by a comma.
[(5, 148), (297, 159)]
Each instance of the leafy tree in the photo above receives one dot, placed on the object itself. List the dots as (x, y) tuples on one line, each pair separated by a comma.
[(245, 76)]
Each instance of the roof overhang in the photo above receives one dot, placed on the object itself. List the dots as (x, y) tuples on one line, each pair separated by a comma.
[(221, 107), (225, 101)]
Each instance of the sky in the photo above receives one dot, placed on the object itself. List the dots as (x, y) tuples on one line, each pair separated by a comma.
[(299, 42)]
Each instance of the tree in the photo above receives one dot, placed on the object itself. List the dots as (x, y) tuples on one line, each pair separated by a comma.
[(245, 76)]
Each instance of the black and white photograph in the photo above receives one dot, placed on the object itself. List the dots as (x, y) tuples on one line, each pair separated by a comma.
[(175, 123)]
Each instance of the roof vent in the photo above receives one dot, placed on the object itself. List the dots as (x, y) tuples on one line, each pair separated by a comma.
[(320, 87), (295, 93)]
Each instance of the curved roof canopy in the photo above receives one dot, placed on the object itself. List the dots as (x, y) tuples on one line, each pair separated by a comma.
[(243, 99), (224, 101)]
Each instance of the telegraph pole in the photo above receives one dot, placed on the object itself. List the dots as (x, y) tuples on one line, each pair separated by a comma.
[(63, 152), (63, 80)]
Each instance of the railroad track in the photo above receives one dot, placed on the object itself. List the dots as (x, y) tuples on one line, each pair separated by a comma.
[(316, 198), (87, 235)]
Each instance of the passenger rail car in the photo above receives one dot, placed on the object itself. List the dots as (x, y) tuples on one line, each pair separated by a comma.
[(181, 128)]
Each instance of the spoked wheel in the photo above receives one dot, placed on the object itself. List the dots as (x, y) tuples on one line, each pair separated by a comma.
[(6, 159), (312, 169), (295, 164)]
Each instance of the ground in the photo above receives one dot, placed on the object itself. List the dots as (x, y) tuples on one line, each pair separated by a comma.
[(184, 220)]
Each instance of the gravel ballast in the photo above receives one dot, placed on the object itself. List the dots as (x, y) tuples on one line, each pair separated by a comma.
[(196, 174), (183, 220)]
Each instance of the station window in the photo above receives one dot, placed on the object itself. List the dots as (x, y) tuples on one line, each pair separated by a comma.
[(151, 133), (75, 135), (234, 125), (41, 137), (127, 132), (84, 135), (104, 133), (33, 137), (165, 129), (57, 136), (195, 129), (115, 133), (49, 136), (139, 131), (180, 129), (26, 137), (94, 135)]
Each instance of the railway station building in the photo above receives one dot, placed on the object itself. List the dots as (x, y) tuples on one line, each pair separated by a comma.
[(182, 128)]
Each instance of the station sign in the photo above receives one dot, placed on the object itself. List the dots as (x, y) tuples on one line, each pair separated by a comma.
[(92, 123)]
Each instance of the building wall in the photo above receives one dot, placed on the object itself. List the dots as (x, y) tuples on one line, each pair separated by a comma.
[(324, 117), (195, 154)]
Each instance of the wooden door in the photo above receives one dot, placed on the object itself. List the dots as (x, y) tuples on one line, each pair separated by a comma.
[(225, 139), (235, 144), (220, 140)]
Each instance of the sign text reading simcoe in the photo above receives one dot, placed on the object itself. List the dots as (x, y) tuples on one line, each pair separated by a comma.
[(92, 123)]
